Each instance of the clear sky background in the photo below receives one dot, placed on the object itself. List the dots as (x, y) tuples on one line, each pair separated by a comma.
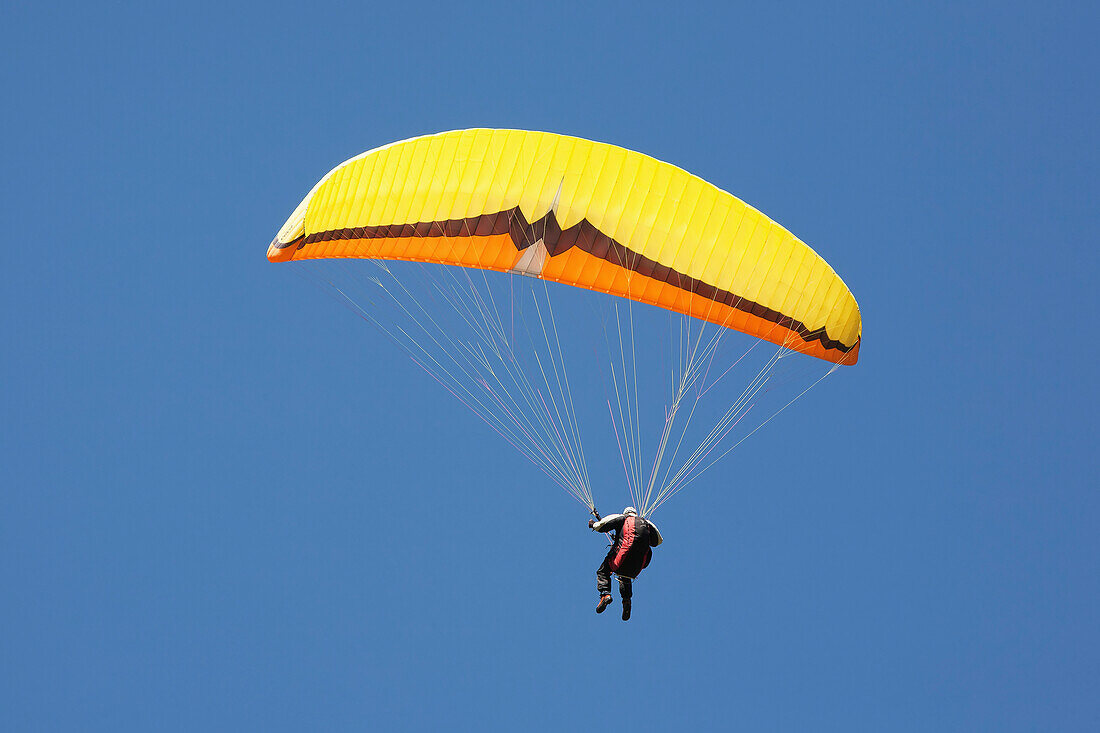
[(227, 504)]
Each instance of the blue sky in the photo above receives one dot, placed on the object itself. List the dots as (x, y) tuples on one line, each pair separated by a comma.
[(229, 505)]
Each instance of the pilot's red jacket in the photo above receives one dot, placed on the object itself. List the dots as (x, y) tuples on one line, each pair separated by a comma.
[(631, 543)]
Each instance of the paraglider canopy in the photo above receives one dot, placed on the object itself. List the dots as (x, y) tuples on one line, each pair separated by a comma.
[(582, 213)]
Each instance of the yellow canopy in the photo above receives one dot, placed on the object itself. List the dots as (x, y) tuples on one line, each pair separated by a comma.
[(582, 213)]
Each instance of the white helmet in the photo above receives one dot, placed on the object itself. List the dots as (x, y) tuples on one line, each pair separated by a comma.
[(630, 511)]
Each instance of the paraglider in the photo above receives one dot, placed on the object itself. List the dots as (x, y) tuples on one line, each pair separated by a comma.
[(546, 208), (631, 550)]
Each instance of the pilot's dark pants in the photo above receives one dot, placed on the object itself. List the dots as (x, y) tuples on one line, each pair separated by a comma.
[(603, 579)]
